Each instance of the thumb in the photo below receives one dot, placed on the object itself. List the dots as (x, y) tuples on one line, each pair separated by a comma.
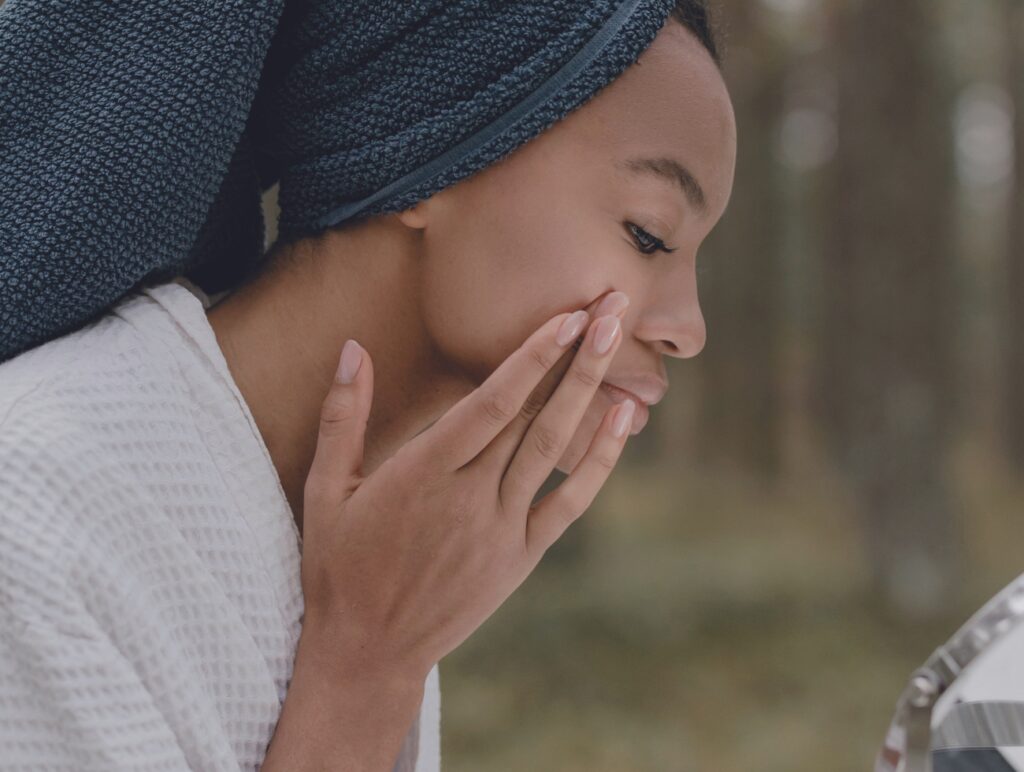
[(337, 465)]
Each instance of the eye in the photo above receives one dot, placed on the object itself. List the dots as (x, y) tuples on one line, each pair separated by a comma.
[(647, 243)]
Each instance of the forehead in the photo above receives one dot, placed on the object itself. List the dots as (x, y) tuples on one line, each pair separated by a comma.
[(672, 103)]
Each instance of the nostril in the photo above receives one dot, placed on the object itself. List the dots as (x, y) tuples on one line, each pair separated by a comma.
[(690, 345)]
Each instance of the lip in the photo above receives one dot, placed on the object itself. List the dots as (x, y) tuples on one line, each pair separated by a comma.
[(640, 416), (645, 388)]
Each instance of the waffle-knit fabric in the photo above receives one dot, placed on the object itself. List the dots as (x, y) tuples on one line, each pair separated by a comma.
[(150, 592)]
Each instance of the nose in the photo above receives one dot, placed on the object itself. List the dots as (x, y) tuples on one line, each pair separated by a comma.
[(686, 338), (673, 322)]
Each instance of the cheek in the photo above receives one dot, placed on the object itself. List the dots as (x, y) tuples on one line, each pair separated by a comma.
[(491, 279)]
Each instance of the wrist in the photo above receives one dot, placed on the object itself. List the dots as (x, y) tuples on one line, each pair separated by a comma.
[(336, 658), (343, 710)]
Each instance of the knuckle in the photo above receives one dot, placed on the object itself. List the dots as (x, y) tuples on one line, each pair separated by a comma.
[(606, 460), (533, 405), (334, 425), (547, 442), (498, 408), (586, 377), (336, 412), (541, 359)]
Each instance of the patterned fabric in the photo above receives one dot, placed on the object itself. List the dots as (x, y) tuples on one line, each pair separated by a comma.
[(150, 591), (136, 136)]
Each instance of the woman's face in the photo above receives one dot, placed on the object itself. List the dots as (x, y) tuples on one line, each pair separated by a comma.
[(548, 228)]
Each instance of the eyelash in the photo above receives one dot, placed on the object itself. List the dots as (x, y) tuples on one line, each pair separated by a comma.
[(654, 244)]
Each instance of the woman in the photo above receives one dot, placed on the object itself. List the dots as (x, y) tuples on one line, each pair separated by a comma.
[(165, 468)]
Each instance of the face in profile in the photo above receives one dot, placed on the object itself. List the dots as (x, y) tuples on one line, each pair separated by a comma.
[(591, 205)]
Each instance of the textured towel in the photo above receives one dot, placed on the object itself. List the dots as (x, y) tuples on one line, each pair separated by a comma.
[(118, 122), (136, 136)]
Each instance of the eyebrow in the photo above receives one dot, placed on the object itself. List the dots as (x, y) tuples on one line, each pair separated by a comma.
[(669, 169)]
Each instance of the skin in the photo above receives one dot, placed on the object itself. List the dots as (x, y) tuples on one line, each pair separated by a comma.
[(442, 293)]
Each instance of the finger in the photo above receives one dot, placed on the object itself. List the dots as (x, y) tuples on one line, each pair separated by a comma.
[(500, 452), (474, 421), (337, 463), (549, 434), (552, 515)]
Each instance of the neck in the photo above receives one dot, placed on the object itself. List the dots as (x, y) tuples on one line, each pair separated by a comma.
[(282, 335)]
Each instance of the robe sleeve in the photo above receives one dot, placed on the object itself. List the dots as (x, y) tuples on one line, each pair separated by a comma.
[(69, 701)]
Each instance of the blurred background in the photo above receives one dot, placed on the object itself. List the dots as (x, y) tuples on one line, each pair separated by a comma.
[(834, 484)]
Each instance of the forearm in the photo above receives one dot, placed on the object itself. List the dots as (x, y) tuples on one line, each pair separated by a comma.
[(342, 719)]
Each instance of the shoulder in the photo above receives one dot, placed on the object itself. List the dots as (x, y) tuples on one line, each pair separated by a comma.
[(95, 390), (71, 393), (78, 414)]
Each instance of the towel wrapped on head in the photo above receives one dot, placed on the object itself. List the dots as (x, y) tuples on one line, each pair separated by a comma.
[(137, 136)]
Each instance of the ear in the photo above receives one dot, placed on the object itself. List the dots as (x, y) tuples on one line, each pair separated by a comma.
[(416, 215)]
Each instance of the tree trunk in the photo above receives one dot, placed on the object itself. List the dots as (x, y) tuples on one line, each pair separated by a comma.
[(885, 369)]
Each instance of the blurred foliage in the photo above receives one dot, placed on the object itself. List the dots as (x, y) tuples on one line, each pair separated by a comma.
[(833, 486)]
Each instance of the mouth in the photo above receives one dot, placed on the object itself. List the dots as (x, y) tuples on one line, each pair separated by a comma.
[(642, 413)]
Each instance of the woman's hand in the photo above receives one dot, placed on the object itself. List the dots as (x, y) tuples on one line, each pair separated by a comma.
[(401, 566)]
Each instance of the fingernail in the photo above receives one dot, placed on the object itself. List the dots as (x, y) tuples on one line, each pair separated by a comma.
[(571, 328), (351, 358), (612, 304), (624, 417), (607, 326)]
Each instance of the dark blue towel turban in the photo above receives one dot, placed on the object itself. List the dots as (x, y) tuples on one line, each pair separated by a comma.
[(137, 136)]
